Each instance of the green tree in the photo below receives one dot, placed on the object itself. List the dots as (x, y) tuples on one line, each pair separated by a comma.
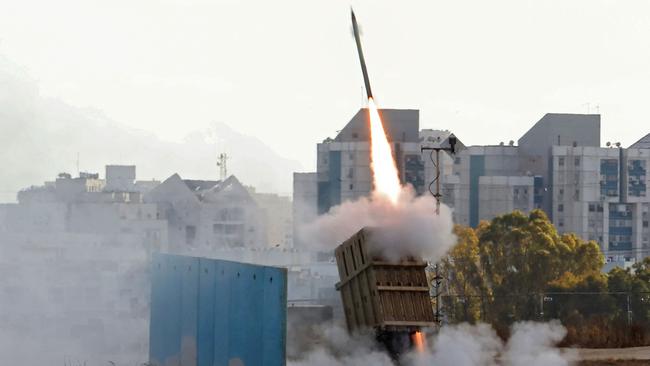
[(574, 298), (464, 277), (634, 286), (522, 255)]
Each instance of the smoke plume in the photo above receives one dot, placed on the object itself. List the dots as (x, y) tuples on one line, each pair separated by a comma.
[(460, 345), (410, 227), (531, 344), (335, 347)]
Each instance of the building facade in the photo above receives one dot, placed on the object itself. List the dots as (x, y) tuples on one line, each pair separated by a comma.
[(559, 166), (276, 211), (601, 194), (343, 163), (212, 214)]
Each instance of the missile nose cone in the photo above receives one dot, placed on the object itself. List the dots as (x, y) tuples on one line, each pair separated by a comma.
[(355, 29)]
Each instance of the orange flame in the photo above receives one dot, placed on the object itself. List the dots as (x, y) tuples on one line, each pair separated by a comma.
[(385, 175), (418, 341)]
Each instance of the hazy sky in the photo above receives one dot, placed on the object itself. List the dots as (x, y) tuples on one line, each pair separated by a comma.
[(287, 72)]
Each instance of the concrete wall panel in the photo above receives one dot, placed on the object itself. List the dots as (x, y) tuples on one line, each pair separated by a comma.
[(210, 312)]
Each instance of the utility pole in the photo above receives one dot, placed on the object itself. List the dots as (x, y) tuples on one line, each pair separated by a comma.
[(629, 311), (437, 279)]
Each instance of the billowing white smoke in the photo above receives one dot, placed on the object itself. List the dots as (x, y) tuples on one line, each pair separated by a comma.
[(460, 345), (337, 348), (411, 227), (531, 344)]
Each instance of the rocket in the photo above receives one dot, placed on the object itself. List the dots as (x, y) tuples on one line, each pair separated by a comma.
[(366, 80)]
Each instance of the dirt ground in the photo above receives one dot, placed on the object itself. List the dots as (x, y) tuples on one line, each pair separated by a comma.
[(615, 363), (633, 353), (634, 356)]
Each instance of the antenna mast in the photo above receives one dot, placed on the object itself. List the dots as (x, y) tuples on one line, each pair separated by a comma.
[(222, 161)]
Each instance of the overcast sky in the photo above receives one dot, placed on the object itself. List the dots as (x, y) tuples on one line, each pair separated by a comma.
[(287, 71)]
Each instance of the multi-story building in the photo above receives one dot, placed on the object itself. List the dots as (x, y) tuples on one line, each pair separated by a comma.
[(559, 166), (204, 213), (74, 255), (305, 203), (276, 212), (343, 163), (600, 194), (488, 182), (87, 204)]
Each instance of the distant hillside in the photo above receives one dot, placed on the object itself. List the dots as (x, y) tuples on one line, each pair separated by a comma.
[(41, 137)]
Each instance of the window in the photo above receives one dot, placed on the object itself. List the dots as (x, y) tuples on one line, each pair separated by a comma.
[(560, 161), (609, 177), (645, 224), (190, 234), (351, 186), (560, 208), (457, 161), (576, 162), (592, 207)]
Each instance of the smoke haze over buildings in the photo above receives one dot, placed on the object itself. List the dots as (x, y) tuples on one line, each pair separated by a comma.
[(42, 137)]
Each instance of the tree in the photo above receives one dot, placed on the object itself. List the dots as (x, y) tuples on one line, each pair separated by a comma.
[(521, 255), (464, 277), (634, 283), (518, 267)]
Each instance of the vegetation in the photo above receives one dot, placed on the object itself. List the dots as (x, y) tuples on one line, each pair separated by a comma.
[(518, 267)]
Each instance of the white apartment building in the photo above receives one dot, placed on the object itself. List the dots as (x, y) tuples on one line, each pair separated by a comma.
[(601, 194)]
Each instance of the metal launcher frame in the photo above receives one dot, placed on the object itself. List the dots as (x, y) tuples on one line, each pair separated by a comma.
[(386, 296)]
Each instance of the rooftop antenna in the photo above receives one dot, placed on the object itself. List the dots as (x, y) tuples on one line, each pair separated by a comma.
[(222, 163)]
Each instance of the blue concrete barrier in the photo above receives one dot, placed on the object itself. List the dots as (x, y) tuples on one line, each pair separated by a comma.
[(207, 312)]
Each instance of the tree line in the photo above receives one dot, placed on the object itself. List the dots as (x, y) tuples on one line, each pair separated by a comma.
[(517, 267)]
